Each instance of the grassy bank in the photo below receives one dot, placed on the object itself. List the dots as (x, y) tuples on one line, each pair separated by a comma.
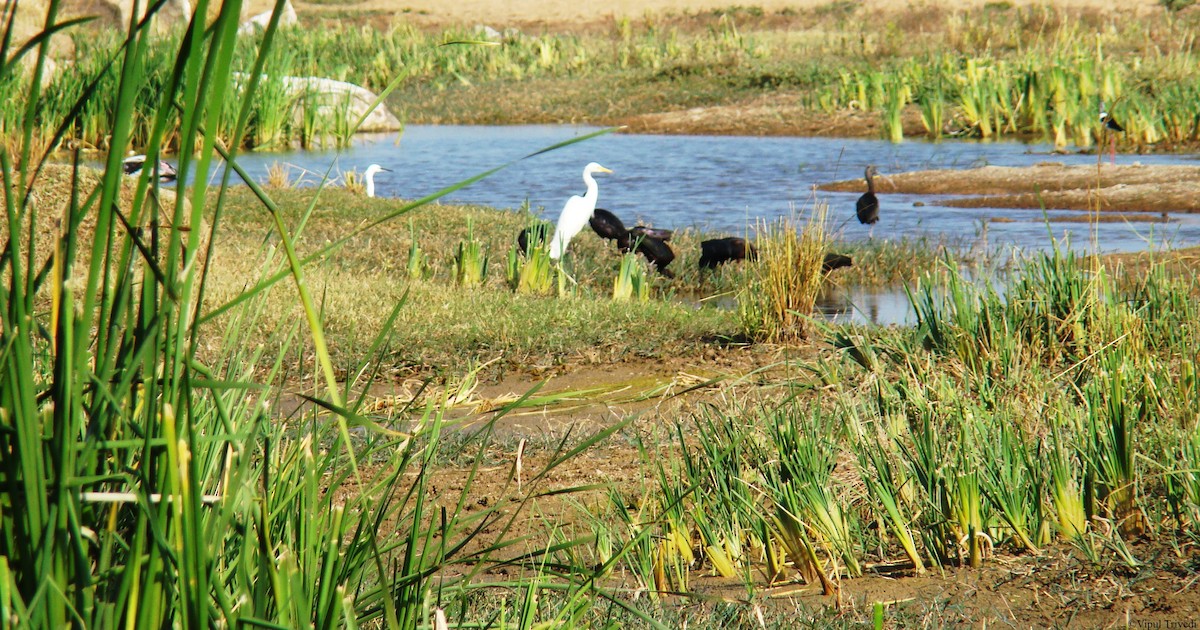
[(359, 283), (1058, 421)]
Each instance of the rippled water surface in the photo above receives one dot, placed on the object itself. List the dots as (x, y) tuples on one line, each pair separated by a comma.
[(720, 183)]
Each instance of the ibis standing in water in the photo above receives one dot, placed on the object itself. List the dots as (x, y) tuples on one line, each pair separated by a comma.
[(134, 164), (369, 177), (576, 213), (868, 203)]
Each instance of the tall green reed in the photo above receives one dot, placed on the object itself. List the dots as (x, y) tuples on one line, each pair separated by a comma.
[(631, 282), (160, 490), (532, 272), (470, 261)]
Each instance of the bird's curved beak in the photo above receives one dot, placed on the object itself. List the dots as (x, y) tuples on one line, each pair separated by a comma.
[(385, 169)]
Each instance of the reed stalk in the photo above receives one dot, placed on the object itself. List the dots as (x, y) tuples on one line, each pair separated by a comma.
[(631, 282), (160, 490), (418, 262), (782, 285), (470, 261)]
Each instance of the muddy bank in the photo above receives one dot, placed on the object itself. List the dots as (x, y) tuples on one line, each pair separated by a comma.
[(776, 114), (1121, 188)]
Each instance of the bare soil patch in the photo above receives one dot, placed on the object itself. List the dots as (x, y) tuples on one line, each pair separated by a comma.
[(1056, 588), (775, 114)]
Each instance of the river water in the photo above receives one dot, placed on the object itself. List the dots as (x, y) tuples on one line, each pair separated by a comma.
[(727, 184)]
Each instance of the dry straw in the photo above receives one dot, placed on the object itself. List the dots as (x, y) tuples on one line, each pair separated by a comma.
[(783, 284)]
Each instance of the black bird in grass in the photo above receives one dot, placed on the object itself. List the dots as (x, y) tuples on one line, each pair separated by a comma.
[(868, 204), (835, 261), (658, 233), (608, 225), (134, 164), (649, 242), (654, 250), (719, 251), (537, 234)]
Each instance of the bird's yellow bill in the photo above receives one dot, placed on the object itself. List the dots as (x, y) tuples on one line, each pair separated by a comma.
[(603, 170)]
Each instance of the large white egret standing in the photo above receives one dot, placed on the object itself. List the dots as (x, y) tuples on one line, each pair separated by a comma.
[(369, 177), (576, 213)]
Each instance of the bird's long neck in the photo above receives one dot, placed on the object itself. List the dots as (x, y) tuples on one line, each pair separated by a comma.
[(371, 185), (870, 183), (593, 192)]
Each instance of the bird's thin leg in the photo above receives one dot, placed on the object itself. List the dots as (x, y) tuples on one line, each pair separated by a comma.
[(563, 270), (1113, 149)]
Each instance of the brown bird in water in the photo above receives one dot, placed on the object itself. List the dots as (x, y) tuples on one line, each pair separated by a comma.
[(868, 203)]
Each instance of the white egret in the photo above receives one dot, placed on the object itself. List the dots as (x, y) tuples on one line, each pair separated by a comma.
[(369, 177), (576, 213), (134, 164)]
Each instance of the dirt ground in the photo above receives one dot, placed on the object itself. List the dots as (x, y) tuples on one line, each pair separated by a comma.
[(1056, 588)]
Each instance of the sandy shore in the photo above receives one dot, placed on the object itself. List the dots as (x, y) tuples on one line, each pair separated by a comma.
[(1131, 187)]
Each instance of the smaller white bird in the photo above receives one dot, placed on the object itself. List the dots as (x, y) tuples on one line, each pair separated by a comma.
[(576, 213), (369, 177), (134, 164)]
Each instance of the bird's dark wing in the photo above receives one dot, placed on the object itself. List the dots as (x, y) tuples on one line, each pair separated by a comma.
[(868, 209)]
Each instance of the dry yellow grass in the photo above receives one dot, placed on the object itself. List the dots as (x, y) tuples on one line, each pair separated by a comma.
[(52, 193), (501, 14)]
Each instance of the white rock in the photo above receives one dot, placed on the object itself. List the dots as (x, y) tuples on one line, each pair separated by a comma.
[(173, 13), (259, 22), (329, 96)]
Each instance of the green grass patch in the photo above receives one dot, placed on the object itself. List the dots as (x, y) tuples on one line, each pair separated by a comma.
[(358, 284)]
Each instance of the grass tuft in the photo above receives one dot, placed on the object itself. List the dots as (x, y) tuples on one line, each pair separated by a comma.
[(783, 284)]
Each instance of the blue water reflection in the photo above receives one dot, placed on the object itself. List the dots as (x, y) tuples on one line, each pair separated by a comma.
[(719, 183)]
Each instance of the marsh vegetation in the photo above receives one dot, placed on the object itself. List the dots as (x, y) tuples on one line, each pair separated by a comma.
[(148, 477)]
